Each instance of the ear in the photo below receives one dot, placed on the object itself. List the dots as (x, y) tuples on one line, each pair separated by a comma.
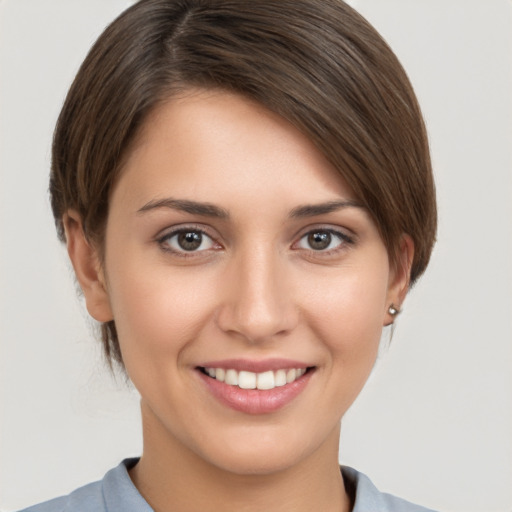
[(399, 278), (88, 269)]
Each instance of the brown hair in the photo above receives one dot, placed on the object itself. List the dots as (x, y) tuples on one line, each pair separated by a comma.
[(317, 63)]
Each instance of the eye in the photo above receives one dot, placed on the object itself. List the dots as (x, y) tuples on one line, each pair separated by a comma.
[(324, 240), (187, 241)]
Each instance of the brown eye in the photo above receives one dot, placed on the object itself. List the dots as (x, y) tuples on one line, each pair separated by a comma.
[(323, 240), (187, 240), (319, 240), (190, 241)]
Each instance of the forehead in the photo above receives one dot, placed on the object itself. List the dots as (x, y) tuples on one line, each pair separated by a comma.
[(203, 141)]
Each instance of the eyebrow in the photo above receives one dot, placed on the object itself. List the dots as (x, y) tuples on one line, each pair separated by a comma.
[(312, 210), (211, 210), (185, 205)]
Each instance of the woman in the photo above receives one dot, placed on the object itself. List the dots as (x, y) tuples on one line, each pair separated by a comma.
[(246, 195)]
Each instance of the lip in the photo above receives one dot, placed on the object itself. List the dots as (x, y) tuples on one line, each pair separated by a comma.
[(254, 401), (249, 365)]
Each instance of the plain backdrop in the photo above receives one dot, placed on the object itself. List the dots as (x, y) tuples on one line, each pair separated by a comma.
[(434, 423)]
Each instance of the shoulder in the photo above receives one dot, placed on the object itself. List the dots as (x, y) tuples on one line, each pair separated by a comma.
[(114, 493), (368, 497), (85, 499)]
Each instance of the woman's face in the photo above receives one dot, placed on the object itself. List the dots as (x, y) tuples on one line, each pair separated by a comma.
[(234, 248)]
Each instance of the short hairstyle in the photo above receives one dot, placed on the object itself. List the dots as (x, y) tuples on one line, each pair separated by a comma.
[(317, 63)]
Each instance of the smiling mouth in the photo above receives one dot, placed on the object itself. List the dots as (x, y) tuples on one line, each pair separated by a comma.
[(251, 380)]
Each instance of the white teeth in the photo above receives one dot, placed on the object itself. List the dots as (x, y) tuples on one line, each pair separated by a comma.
[(280, 378), (291, 375), (247, 380), (266, 380), (251, 380), (231, 377)]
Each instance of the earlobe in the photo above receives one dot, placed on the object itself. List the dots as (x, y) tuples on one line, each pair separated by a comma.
[(88, 270), (399, 279)]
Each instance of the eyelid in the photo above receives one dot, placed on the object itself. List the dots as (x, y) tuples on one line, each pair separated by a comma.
[(342, 231), (346, 238), (169, 232)]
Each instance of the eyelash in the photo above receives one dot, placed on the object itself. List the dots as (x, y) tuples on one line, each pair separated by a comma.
[(164, 240), (344, 241)]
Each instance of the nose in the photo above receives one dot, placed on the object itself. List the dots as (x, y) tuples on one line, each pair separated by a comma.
[(258, 297)]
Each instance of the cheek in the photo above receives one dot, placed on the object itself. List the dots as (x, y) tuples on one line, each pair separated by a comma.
[(352, 299), (157, 311), (348, 322), (346, 314)]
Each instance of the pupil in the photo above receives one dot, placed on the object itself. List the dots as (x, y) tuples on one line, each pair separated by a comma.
[(189, 241), (319, 240)]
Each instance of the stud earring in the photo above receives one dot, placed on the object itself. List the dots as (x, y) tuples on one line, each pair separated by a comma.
[(393, 310)]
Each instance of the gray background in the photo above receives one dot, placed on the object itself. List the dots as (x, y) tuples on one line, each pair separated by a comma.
[(434, 422)]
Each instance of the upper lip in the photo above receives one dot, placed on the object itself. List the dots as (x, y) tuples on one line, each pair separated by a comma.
[(250, 365)]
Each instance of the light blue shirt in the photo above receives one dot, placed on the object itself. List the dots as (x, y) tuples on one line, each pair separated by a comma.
[(116, 493)]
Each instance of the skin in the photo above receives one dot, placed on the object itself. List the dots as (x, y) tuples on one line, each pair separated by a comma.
[(255, 289)]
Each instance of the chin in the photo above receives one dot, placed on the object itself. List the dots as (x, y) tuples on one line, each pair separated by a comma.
[(265, 462), (270, 452)]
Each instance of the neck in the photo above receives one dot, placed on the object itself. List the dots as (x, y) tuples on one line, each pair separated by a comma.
[(171, 477)]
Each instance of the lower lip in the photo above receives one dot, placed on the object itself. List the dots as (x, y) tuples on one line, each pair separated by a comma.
[(254, 401)]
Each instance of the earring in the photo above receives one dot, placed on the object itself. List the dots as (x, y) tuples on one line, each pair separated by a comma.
[(393, 310)]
